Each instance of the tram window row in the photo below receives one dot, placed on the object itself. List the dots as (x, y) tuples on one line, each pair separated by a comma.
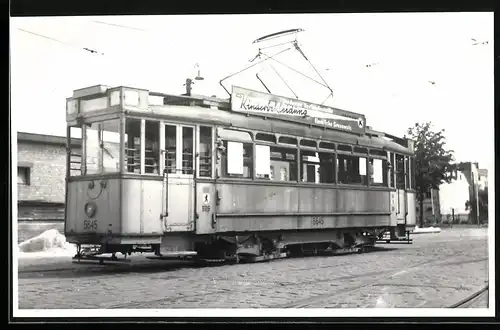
[(275, 158)]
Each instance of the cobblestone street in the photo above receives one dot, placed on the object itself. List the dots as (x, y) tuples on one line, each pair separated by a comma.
[(437, 270)]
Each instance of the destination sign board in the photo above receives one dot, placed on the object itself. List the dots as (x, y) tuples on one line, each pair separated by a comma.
[(250, 101)]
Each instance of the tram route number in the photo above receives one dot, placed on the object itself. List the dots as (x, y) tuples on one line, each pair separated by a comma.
[(317, 221), (90, 225)]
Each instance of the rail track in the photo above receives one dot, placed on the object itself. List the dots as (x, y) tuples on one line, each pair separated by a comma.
[(373, 280), (473, 298), (159, 264), (367, 279)]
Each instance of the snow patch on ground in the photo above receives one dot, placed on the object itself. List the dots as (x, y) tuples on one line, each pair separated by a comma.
[(426, 230), (50, 243)]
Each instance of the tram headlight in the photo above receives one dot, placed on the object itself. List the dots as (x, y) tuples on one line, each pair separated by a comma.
[(90, 209)]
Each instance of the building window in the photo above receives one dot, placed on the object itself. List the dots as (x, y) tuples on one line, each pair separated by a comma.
[(23, 175)]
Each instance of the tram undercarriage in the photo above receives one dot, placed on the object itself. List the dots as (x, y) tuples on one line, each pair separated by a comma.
[(247, 247)]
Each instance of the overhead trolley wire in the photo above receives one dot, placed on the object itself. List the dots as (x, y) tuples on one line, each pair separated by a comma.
[(118, 25), (306, 76), (248, 67), (304, 55), (62, 42), (291, 90)]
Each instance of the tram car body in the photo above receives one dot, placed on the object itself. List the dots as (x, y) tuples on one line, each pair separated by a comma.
[(256, 176)]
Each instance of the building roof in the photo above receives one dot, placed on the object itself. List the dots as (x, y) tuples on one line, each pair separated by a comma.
[(483, 172), (45, 139)]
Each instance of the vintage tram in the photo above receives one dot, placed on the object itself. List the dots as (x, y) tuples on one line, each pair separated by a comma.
[(254, 177)]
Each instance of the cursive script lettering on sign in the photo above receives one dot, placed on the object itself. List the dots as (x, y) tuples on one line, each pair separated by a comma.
[(251, 104)]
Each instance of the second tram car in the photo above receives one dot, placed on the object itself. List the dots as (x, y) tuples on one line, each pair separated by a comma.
[(255, 177)]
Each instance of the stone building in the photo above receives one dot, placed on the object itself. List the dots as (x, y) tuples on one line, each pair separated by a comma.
[(452, 201), (41, 169)]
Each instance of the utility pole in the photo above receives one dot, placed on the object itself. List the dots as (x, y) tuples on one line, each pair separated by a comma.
[(476, 188), (475, 193), (432, 206)]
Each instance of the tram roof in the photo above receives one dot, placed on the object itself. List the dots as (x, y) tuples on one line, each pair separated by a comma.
[(284, 115)]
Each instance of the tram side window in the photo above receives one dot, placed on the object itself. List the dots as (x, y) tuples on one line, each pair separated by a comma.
[(263, 162), (309, 166), (378, 172), (110, 145), (400, 172), (205, 151), (317, 167), (170, 148), (352, 169), (152, 150), (75, 151), (237, 160), (133, 145), (92, 148), (326, 167), (283, 164)]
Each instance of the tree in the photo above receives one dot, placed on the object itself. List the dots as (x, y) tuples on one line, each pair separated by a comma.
[(483, 204), (432, 161)]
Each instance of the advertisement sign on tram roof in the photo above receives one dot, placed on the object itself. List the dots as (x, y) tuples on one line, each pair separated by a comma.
[(246, 100)]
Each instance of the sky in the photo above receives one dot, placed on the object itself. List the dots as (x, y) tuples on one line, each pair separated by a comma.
[(408, 50)]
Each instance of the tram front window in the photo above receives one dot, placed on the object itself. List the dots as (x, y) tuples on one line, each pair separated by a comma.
[(93, 151), (102, 146), (152, 152), (110, 146), (205, 151), (75, 151), (187, 150), (170, 148), (132, 142)]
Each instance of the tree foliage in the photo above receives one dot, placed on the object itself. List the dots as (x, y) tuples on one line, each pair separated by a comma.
[(483, 204), (432, 161)]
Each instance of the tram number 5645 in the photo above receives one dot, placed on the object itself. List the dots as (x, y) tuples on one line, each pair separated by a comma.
[(317, 221), (90, 225)]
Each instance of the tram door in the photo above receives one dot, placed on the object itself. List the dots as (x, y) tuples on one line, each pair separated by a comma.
[(401, 181), (178, 178)]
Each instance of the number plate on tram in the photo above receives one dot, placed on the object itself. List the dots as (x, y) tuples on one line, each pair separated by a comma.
[(90, 225), (317, 221)]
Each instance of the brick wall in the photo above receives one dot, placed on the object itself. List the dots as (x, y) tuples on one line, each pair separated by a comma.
[(48, 169)]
